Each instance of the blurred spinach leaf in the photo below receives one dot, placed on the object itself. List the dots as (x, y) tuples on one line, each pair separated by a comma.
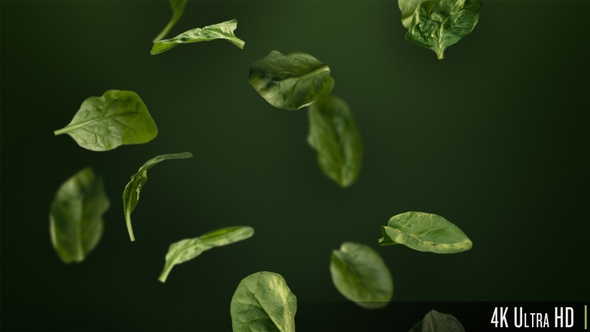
[(263, 303), (438, 24), (185, 250), (133, 188), (75, 216), (360, 274), (106, 122), (425, 232), (177, 10), (290, 81), (224, 30), (435, 321), (334, 135)]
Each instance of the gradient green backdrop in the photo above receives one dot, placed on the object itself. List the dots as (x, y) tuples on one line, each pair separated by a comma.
[(494, 138)]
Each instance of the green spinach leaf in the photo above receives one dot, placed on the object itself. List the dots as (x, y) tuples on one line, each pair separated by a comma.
[(75, 217), (184, 250), (290, 81), (224, 30), (425, 232), (438, 24), (435, 321), (138, 180), (359, 273), (334, 135), (177, 10), (263, 303), (106, 122)]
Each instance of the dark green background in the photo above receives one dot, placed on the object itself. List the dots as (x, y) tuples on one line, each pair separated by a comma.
[(494, 138)]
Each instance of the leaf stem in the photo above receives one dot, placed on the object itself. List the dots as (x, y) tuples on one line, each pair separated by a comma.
[(165, 31), (129, 226), (164, 275), (60, 131), (238, 42)]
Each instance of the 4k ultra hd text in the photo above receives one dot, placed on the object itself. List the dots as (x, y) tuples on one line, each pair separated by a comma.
[(520, 317)]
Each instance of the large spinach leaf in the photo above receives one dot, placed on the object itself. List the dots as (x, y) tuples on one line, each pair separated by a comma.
[(360, 274), (75, 216), (106, 122), (435, 321), (425, 232), (290, 81), (438, 24), (224, 30), (184, 250), (263, 303), (177, 10), (138, 180), (334, 135)]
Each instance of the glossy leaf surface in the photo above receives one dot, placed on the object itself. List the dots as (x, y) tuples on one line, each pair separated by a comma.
[(138, 180), (425, 232), (177, 10), (184, 250), (75, 216), (224, 30), (290, 81), (334, 135), (263, 303), (116, 118), (435, 321), (438, 24), (360, 274)]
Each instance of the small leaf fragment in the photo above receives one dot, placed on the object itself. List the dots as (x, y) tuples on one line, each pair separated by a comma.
[(334, 135), (177, 10), (435, 321), (75, 216), (425, 232), (360, 275), (116, 118), (438, 24), (290, 81), (224, 30), (138, 180), (263, 302), (184, 250)]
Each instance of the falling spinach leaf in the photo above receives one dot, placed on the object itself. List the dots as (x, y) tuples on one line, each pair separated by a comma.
[(106, 122), (185, 250), (359, 273), (425, 232), (290, 81), (177, 10), (435, 321), (438, 24), (263, 303), (133, 188), (224, 30), (334, 135), (75, 217)]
